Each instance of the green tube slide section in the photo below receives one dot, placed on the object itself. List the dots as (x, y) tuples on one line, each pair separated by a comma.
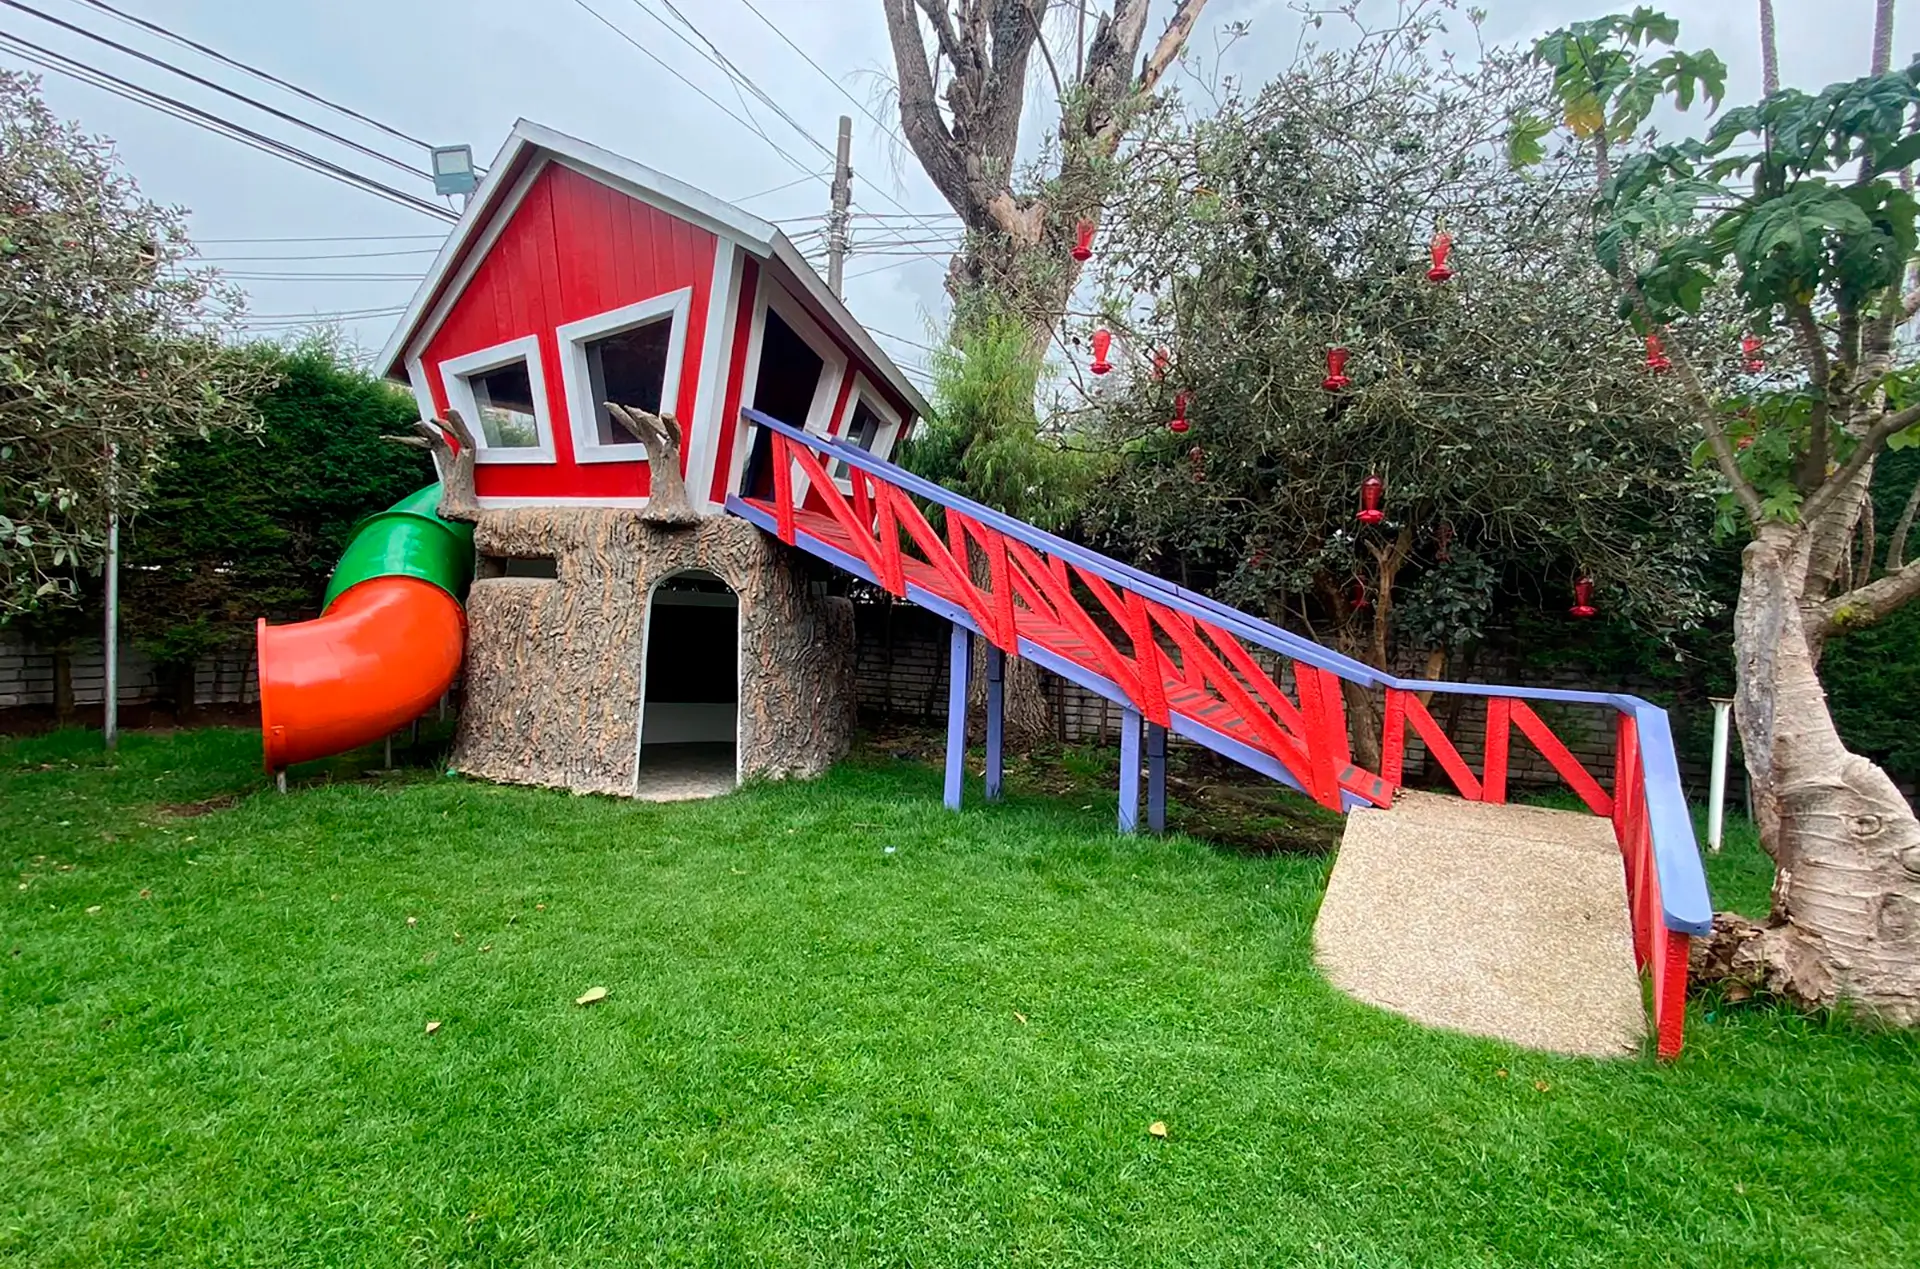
[(408, 539)]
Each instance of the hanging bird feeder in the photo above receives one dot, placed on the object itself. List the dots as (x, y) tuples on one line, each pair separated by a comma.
[(1657, 359), (1442, 244), (1178, 423), (1083, 241), (1360, 601), (1336, 370), (1102, 341), (1583, 599), (1372, 491), (1750, 347)]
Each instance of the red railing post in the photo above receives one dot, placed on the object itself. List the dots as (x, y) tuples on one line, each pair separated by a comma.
[(1493, 785), (783, 508), (1670, 994), (1393, 739)]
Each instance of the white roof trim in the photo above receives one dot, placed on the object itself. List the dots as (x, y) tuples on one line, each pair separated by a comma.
[(657, 189)]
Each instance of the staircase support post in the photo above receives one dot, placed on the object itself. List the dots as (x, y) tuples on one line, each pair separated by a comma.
[(1129, 770), (996, 729), (1156, 778), (959, 665)]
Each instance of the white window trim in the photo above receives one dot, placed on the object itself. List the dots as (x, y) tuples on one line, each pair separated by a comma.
[(890, 420), (454, 373), (574, 373), (774, 298)]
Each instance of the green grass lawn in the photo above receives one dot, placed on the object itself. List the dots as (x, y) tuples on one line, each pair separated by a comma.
[(214, 1048)]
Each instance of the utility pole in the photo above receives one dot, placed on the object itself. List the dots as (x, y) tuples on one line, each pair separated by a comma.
[(110, 692), (842, 198)]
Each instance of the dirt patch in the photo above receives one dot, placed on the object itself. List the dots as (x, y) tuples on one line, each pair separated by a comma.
[(206, 806), (1208, 797)]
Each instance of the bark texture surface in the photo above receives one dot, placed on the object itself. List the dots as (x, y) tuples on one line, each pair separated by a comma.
[(1845, 844), (555, 666)]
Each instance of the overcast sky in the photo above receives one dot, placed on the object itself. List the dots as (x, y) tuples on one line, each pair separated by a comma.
[(452, 71)]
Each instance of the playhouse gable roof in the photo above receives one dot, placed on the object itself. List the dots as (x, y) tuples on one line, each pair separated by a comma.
[(527, 149)]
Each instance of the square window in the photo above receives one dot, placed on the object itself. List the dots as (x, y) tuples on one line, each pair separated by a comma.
[(862, 430), (630, 356), (503, 397), (628, 368)]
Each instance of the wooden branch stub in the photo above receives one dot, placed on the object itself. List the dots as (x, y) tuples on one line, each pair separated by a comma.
[(667, 501)]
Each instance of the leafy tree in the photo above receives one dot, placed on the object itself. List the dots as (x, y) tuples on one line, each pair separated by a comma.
[(1796, 210), (1522, 442), (107, 352), (249, 524), (982, 439)]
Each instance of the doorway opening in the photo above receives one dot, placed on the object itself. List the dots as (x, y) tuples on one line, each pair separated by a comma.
[(789, 376), (690, 695)]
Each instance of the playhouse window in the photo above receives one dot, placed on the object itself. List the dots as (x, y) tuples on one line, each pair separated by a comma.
[(503, 397), (501, 393), (630, 356), (862, 430), (630, 369)]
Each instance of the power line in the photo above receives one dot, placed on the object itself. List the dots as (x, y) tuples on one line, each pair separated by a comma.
[(245, 276), (222, 89), (63, 65), (335, 238), (713, 54), (715, 102), (349, 255), (265, 76), (798, 180)]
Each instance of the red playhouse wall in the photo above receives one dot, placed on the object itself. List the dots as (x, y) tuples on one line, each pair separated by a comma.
[(574, 248)]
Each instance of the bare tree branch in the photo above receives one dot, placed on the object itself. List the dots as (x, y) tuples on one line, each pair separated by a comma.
[(1867, 604), (1897, 546)]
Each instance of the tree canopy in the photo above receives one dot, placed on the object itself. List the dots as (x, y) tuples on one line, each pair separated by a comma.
[(109, 348)]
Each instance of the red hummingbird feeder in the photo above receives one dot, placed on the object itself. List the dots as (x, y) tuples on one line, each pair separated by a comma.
[(1372, 491), (1750, 347), (1336, 370), (1178, 423), (1160, 363), (1102, 341), (1442, 244), (1583, 599), (1657, 359), (1083, 241), (1360, 601)]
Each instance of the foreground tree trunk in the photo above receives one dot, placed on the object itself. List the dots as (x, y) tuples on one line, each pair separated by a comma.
[(1845, 843)]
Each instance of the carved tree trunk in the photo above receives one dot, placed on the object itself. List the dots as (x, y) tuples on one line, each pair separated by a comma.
[(1845, 844)]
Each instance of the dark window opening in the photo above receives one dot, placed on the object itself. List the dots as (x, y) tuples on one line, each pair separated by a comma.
[(789, 375), (504, 398), (628, 368), (863, 430), (535, 566)]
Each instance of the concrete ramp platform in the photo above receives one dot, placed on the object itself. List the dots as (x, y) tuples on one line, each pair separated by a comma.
[(1501, 921)]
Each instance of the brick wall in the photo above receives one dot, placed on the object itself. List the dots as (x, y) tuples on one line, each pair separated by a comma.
[(27, 676)]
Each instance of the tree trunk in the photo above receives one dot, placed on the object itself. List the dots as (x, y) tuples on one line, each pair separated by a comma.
[(1845, 844)]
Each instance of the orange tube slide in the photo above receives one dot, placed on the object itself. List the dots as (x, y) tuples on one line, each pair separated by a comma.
[(379, 657)]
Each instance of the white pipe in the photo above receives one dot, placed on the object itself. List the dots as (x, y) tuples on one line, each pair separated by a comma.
[(110, 651), (1717, 783)]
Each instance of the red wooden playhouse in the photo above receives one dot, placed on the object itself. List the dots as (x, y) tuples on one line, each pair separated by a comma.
[(634, 629)]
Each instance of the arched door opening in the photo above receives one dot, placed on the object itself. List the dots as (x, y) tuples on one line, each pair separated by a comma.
[(690, 711)]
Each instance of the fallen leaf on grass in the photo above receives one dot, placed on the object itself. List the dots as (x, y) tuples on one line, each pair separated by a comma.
[(94, 910), (539, 907), (591, 996), (413, 920), (458, 937), (432, 1027), (1541, 1086), (1021, 1016), (486, 947), (335, 898), (1158, 1128), (1502, 1072), (146, 894)]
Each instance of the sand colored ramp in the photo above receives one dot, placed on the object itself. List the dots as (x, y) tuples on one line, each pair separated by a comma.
[(1501, 921)]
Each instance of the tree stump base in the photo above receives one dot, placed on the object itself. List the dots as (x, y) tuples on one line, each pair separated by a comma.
[(555, 666)]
